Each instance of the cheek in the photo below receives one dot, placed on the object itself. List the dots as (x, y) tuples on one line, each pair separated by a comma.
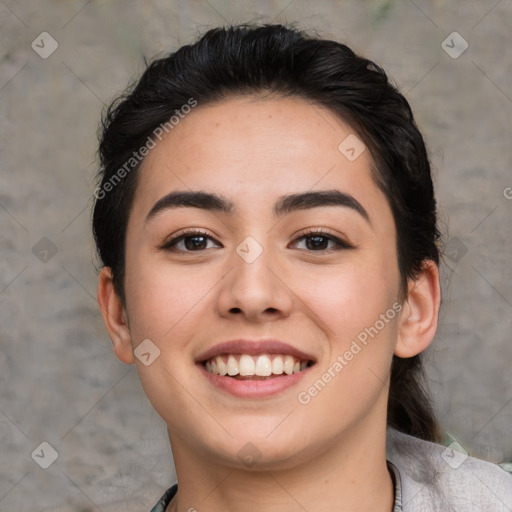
[(352, 296), (357, 305), (360, 312), (167, 306), (163, 297)]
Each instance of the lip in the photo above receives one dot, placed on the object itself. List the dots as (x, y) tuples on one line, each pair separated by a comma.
[(254, 388), (254, 348)]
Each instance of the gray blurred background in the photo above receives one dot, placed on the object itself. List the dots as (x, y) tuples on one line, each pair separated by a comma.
[(61, 384)]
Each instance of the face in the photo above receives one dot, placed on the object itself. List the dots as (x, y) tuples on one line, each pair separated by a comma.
[(309, 283)]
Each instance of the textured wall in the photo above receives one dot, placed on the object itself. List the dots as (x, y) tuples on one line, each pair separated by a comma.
[(59, 380)]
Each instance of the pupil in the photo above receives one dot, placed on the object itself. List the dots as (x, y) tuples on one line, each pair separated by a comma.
[(315, 243), (199, 245)]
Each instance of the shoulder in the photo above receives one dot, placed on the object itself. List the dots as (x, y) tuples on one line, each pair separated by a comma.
[(437, 478)]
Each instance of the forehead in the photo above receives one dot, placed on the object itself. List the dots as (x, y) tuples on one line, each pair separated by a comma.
[(254, 147)]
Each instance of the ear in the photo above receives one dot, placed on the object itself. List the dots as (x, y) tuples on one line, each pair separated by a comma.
[(420, 314), (114, 316)]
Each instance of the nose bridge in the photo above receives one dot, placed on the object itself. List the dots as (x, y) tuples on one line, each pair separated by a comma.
[(252, 249), (251, 261), (253, 287)]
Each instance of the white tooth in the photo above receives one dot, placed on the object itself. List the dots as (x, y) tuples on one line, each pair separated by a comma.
[(232, 366), (214, 370), (303, 365), (296, 367), (288, 365), (246, 365), (221, 365), (208, 366), (263, 366), (277, 365)]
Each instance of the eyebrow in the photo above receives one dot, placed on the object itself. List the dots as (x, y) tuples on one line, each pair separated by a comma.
[(285, 205)]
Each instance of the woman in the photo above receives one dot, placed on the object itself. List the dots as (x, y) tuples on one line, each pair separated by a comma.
[(266, 222)]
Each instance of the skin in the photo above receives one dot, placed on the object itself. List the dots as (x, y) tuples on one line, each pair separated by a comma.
[(330, 453)]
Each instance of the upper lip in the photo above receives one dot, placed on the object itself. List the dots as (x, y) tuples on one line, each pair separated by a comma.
[(254, 348)]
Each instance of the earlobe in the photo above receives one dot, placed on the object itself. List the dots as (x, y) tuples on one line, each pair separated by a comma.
[(114, 316), (420, 314)]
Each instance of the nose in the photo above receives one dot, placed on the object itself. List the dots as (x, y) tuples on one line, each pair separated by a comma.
[(255, 289)]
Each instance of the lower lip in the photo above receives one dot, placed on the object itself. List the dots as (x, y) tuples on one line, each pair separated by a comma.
[(253, 388)]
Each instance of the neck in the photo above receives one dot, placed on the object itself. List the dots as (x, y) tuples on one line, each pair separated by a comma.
[(350, 475)]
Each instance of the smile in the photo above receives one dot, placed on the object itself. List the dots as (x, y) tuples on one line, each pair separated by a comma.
[(259, 367), (254, 368)]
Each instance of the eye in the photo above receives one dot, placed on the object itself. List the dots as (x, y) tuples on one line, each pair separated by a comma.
[(189, 241), (318, 240), (315, 240)]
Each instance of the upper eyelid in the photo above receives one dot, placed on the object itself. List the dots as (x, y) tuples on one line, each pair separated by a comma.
[(180, 236)]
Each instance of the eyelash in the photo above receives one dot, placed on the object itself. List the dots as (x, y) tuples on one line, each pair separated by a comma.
[(341, 244)]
